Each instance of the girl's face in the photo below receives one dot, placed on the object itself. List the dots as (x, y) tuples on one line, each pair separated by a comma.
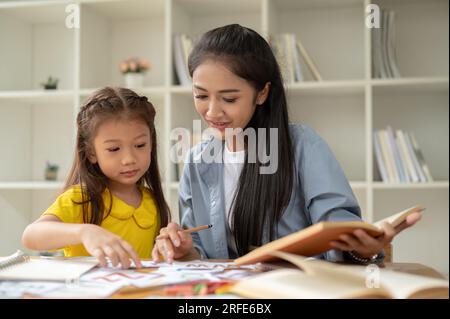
[(122, 150), (223, 99)]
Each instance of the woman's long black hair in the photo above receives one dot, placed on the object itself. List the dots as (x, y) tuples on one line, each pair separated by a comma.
[(260, 199)]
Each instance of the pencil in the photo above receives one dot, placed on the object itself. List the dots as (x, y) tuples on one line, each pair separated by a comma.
[(188, 231)]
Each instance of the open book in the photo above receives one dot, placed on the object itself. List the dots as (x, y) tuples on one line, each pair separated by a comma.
[(19, 266), (316, 239), (326, 280)]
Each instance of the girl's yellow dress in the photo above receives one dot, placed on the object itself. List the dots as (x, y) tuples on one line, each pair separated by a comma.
[(138, 226)]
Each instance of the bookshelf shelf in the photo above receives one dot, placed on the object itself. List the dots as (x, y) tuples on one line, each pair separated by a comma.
[(37, 96), (152, 91), (431, 185), (344, 108), (423, 84), (38, 185), (181, 90), (327, 87)]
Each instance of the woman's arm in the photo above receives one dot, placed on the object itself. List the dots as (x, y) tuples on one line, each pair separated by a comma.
[(173, 243), (328, 196)]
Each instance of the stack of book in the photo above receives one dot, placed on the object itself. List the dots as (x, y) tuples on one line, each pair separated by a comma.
[(291, 55), (399, 157), (384, 59), (182, 47), (289, 51)]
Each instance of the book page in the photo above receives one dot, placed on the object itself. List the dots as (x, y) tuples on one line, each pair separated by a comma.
[(397, 219), (402, 285), (291, 283)]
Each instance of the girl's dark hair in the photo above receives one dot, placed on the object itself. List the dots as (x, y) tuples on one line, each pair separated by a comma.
[(260, 199), (111, 103)]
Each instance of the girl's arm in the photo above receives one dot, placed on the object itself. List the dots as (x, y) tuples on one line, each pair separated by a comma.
[(49, 232)]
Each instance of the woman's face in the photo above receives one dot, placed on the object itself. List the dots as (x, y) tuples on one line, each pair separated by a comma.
[(223, 99)]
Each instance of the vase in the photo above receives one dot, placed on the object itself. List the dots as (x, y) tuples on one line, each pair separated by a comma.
[(134, 80)]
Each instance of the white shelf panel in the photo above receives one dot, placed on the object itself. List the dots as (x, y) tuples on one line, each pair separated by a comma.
[(422, 84), (314, 4), (356, 185), (38, 96), (157, 90), (50, 11), (181, 90), (126, 10), (43, 185), (431, 185), (327, 87), (199, 7)]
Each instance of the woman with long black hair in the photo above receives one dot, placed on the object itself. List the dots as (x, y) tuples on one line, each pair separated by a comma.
[(249, 197)]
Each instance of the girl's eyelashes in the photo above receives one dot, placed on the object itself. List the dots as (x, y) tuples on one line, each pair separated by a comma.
[(113, 149), (141, 145)]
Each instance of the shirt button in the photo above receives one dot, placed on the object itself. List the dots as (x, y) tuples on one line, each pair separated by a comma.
[(213, 203)]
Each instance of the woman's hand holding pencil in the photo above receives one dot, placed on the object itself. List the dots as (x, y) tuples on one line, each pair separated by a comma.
[(174, 242), (186, 231)]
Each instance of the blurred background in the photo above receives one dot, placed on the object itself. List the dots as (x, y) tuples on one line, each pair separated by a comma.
[(378, 96)]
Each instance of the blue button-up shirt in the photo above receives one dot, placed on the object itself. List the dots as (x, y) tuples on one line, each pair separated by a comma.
[(321, 192)]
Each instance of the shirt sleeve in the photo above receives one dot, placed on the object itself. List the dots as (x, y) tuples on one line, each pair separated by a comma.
[(327, 192), (186, 212), (66, 208)]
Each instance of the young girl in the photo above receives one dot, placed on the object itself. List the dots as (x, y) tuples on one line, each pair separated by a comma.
[(237, 84), (112, 205)]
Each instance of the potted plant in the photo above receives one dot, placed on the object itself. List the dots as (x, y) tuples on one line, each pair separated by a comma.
[(51, 172), (51, 83), (133, 70)]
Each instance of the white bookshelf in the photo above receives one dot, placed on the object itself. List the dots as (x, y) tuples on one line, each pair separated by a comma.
[(344, 108)]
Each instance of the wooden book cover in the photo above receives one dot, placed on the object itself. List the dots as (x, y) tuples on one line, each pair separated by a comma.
[(316, 239)]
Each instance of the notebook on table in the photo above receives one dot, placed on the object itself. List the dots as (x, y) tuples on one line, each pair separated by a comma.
[(20, 266)]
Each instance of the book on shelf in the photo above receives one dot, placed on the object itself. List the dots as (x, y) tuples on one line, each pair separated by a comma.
[(420, 159), (291, 54), (316, 239), (182, 47), (20, 266), (403, 178), (406, 158), (399, 158), (309, 61), (384, 56), (379, 157), (387, 156), (319, 279)]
